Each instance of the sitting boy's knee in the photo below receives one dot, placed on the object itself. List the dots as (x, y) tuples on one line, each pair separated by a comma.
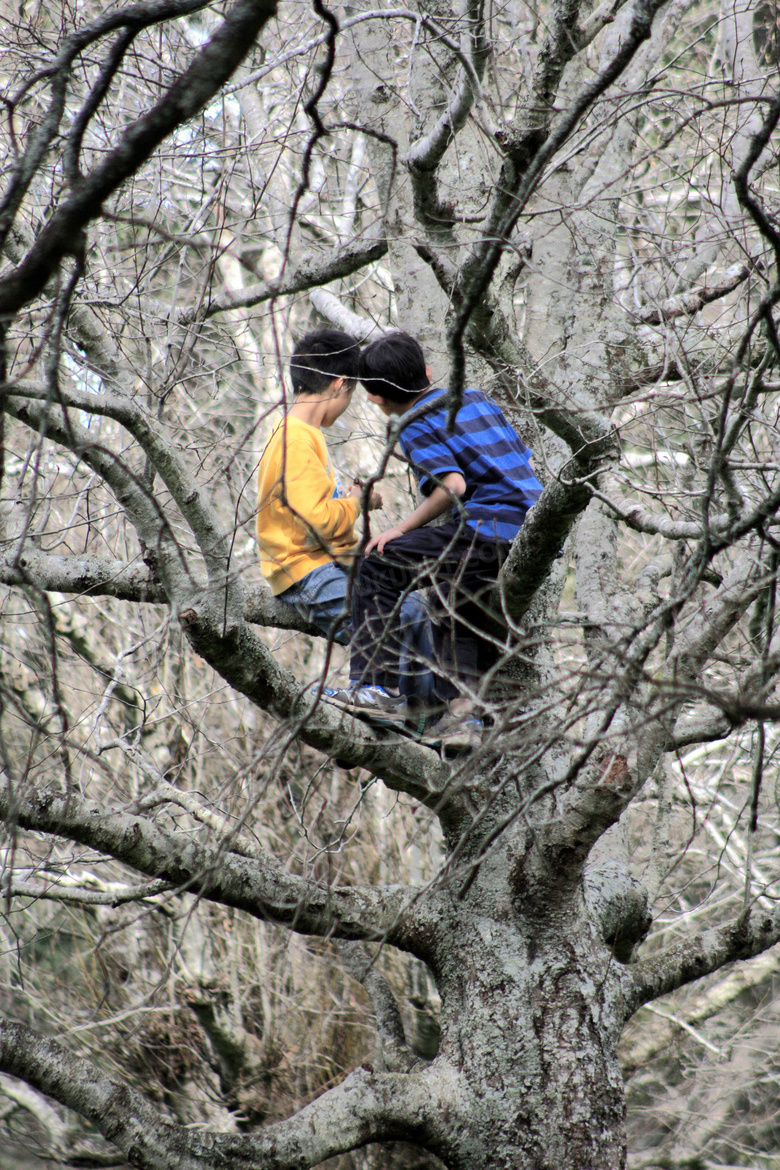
[(375, 570)]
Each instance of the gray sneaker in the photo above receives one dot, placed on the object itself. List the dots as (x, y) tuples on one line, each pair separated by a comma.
[(373, 704)]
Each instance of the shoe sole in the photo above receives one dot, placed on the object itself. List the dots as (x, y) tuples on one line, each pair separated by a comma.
[(375, 718), (386, 723)]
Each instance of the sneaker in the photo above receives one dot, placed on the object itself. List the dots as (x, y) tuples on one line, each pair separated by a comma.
[(373, 704), (456, 735)]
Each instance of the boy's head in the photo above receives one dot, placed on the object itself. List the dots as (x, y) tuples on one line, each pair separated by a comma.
[(321, 358), (393, 369)]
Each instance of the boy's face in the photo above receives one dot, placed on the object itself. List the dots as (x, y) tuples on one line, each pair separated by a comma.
[(387, 407)]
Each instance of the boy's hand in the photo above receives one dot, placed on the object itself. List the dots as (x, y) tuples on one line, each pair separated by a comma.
[(379, 541), (374, 500)]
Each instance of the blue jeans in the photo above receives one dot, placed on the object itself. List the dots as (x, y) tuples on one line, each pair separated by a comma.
[(321, 598)]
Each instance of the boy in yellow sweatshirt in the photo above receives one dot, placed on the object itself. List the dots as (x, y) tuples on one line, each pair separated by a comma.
[(305, 525)]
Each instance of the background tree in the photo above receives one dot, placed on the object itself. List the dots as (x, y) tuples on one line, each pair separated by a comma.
[(219, 895)]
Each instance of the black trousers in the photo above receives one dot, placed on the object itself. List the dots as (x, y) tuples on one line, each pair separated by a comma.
[(461, 567)]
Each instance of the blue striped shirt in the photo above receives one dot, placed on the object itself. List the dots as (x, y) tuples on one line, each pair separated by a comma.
[(485, 450)]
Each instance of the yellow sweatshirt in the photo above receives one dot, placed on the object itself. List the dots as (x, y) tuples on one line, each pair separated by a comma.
[(302, 521)]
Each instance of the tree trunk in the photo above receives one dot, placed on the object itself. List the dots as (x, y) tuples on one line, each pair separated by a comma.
[(530, 1021)]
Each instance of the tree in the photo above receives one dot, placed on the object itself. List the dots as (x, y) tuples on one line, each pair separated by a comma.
[(572, 205)]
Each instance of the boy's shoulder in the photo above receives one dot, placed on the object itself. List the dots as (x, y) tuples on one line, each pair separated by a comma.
[(294, 430), (435, 409), (292, 439)]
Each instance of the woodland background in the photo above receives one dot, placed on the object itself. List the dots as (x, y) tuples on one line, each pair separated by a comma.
[(201, 270)]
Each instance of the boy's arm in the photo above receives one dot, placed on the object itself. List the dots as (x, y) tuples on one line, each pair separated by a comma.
[(452, 484)]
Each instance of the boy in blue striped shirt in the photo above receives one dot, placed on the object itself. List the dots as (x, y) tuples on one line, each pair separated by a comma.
[(481, 473)]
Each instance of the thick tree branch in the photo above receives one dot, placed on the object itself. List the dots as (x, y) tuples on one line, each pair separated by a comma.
[(427, 152), (330, 307), (27, 1098), (687, 303), (93, 576), (700, 726), (82, 574), (656, 1036), (653, 524), (555, 863), (701, 955), (365, 1107), (539, 542)]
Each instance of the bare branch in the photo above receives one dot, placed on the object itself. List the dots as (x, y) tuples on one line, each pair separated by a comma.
[(659, 1034), (333, 310), (395, 1054), (137, 15), (528, 151), (424, 19), (195, 506), (58, 889), (746, 197), (653, 524), (539, 542), (211, 67), (312, 274), (702, 726), (26, 1097), (716, 618), (93, 576), (687, 303)]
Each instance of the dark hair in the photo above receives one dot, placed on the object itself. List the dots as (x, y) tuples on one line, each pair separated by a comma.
[(393, 367), (321, 356)]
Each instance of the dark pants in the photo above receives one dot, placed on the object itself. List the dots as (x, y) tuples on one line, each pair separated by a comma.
[(461, 568)]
